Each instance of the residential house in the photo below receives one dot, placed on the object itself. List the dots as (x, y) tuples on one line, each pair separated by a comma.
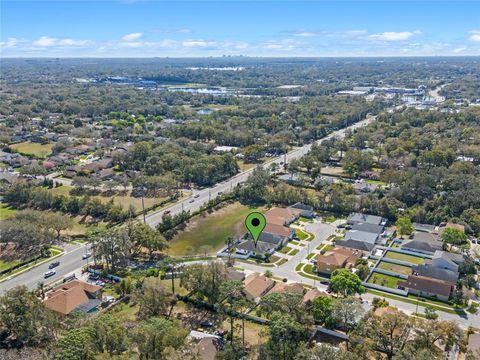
[(473, 345), (235, 275), (365, 218), (442, 260), (427, 287), (260, 250), (430, 271), (355, 244), (281, 216), (364, 236), (205, 345), (337, 258), (73, 296), (311, 295), (106, 174), (424, 227), (256, 285), (281, 287), (368, 228), (450, 225), (423, 242), (306, 211)]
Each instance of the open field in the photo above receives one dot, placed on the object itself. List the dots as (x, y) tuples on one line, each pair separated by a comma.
[(8, 264), (401, 269), (35, 149), (123, 200), (210, 230), (384, 280), (405, 257)]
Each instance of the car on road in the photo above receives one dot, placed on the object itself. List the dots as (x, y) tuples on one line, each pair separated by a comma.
[(220, 192), (313, 261), (197, 196), (192, 200), (54, 264), (167, 212), (86, 256), (49, 273)]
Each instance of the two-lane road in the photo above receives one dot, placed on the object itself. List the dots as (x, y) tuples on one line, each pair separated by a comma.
[(69, 263), (206, 194)]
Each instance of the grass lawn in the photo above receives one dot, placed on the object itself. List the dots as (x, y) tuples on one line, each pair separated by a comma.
[(384, 280), (302, 235), (255, 334), (310, 256), (294, 242), (401, 269), (38, 150), (123, 200), (281, 262), (326, 248), (285, 250), (210, 230), (4, 265), (294, 252), (405, 257), (6, 212)]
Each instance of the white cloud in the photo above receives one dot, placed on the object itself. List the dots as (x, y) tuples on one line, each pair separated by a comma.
[(45, 41), (305, 34), (184, 31), (459, 50), (10, 43), (281, 45), (198, 43), (474, 35), (132, 36), (393, 36)]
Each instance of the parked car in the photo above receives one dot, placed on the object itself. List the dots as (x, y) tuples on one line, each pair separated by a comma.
[(167, 212), (206, 323), (49, 273), (86, 256), (220, 192), (197, 196), (313, 261), (192, 200), (54, 264)]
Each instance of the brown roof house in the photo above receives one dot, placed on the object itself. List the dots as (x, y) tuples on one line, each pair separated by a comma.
[(72, 296), (337, 258), (281, 287), (311, 295), (256, 285), (281, 216), (427, 287)]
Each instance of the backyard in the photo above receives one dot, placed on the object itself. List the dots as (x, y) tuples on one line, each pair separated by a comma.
[(401, 269), (405, 257), (6, 211), (227, 222), (384, 280)]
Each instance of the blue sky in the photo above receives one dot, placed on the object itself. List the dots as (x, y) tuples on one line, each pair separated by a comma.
[(142, 28)]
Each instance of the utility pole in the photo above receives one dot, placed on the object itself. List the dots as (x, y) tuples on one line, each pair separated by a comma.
[(143, 204), (209, 194)]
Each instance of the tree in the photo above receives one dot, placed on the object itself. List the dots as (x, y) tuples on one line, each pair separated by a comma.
[(322, 311), (153, 299), (124, 287), (453, 236), (346, 283), (57, 222), (23, 315), (429, 332), (404, 226), (143, 236), (387, 333), (430, 313), (75, 344), (233, 301), (204, 281), (109, 335), (154, 336), (284, 302), (347, 311), (112, 245)]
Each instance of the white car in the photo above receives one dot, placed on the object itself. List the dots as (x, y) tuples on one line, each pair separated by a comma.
[(49, 273), (86, 256)]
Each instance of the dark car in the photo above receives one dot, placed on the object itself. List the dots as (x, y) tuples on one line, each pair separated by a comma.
[(54, 264), (206, 323)]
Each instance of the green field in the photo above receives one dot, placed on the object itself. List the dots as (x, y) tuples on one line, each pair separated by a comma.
[(401, 269), (384, 280), (210, 230), (6, 212), (302, 235), (123, 200), (38, 150), (8, 264), (405, 257)]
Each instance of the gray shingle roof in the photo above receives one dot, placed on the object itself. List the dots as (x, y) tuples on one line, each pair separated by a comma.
[(430, 271), (369, 228), (364, 218), (361, 236)]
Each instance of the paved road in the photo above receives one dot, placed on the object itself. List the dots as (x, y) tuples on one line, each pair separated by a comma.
[(209, 193), (69, 263)]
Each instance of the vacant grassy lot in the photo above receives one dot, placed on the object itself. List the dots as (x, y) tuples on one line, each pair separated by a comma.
[(8, 264), (384, 280), (124, 200), (401, 269), (210, 230), (405, 257), (38, 150)]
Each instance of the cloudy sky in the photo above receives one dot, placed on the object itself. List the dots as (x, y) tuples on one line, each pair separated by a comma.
[(143, 28)]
